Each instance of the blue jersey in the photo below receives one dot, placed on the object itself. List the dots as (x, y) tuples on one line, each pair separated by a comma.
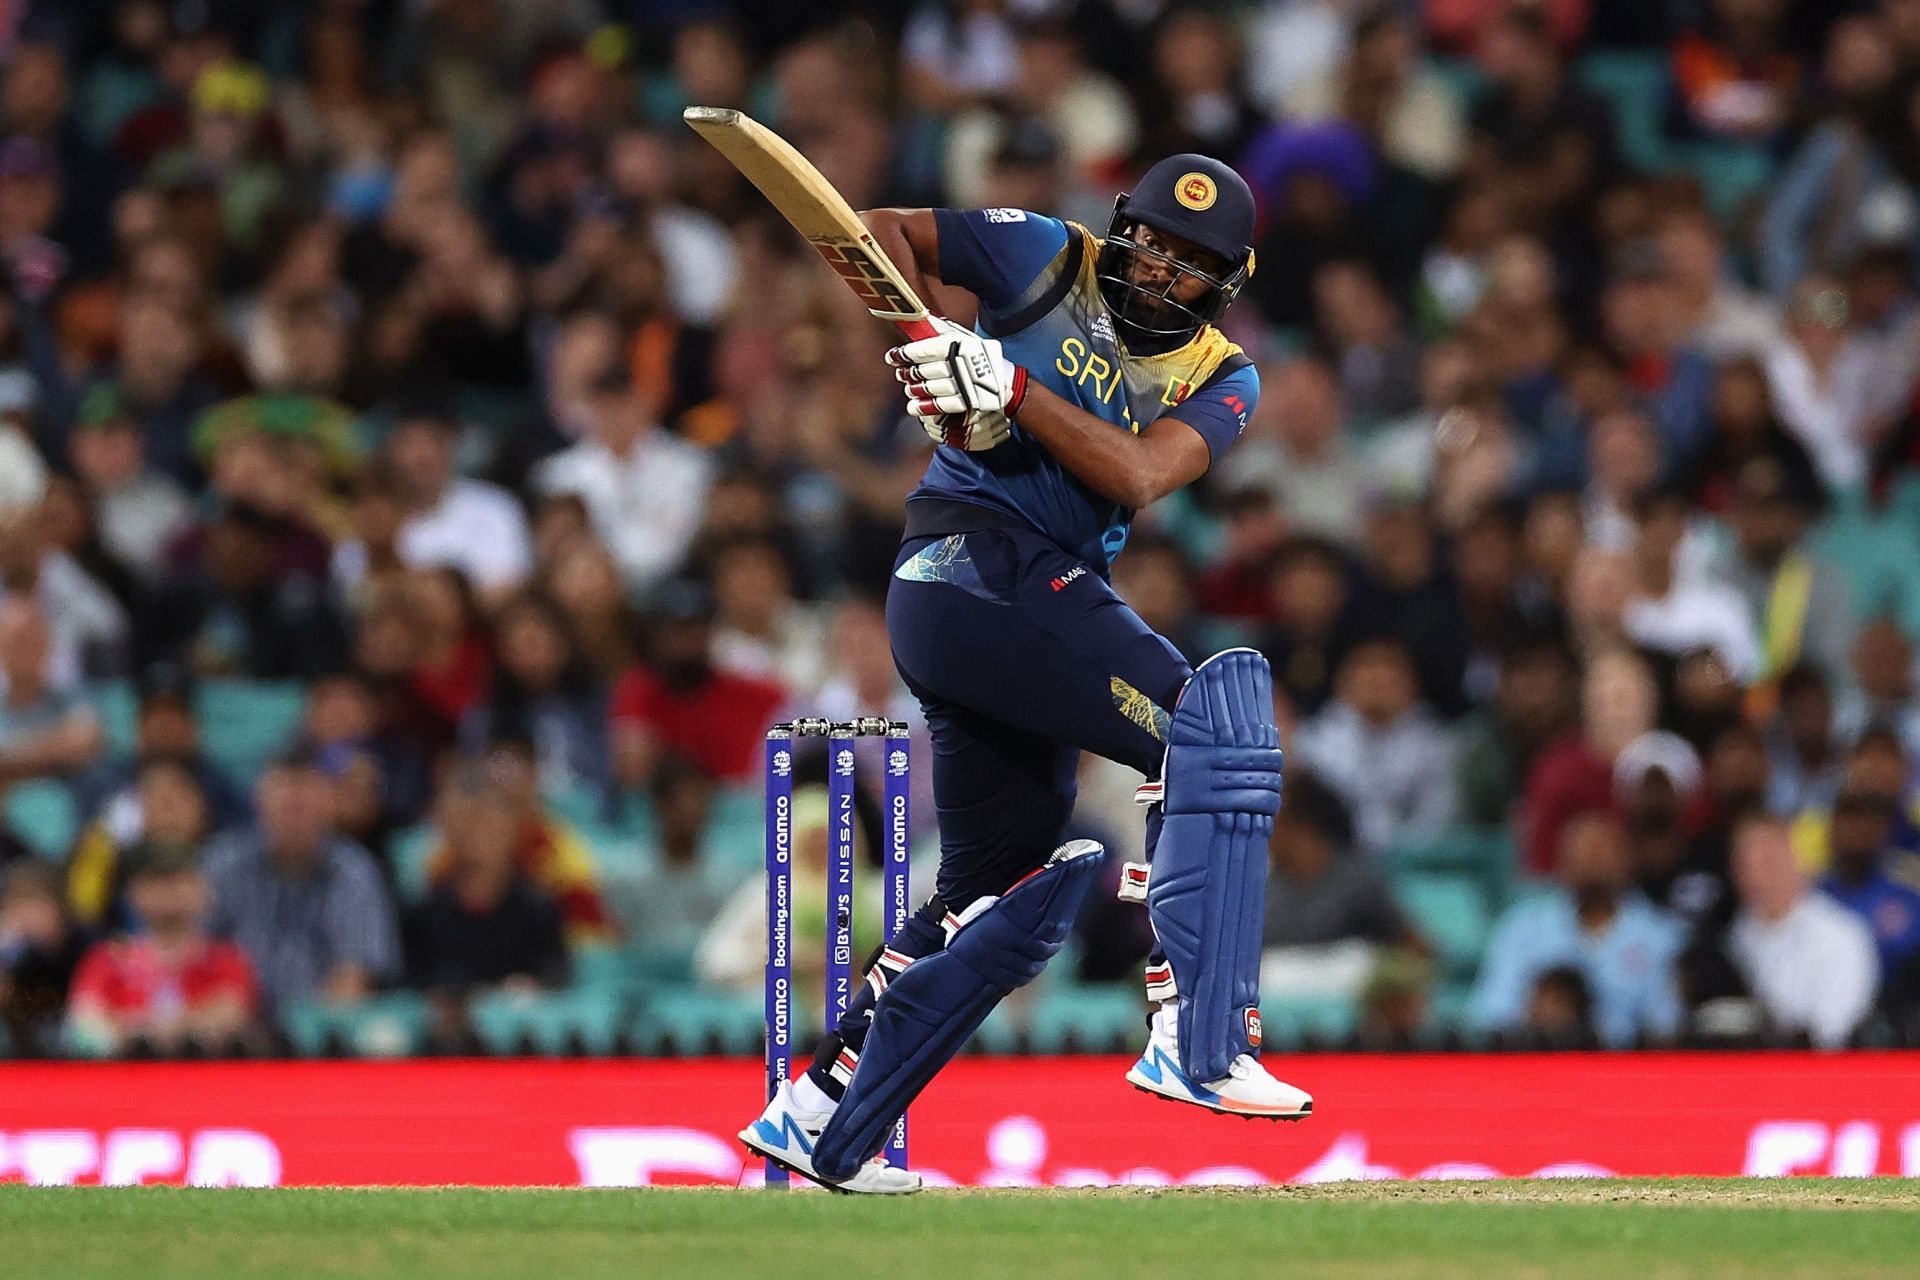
[(1034, 276)]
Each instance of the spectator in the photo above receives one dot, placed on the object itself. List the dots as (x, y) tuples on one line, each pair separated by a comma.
[(165, 807), (171, 985), (1736, 74), (451, 520), (1575, 774), (47, 730), (1381, 749), (1799, 602), (138, 510), (760, 630), (1560, 1010), (1882, 690), (1412, 113), (1674, 614), (1328, 908), (1809, 961), (1831, 391), (1546, 144), (1721, 317), (166, 724), (585, 582), (643, 488), (1533, 704), (1657, 782), (1294, 450), (1859, 843), (544, 690), (1414, 598), (88, 628), (674, 904), (549, 851), (306, 905), (235, 612), (1595, 922), (485, 925), (40, 948), (1803, 759), (679, 701), (1744, 430), (1311, 595)]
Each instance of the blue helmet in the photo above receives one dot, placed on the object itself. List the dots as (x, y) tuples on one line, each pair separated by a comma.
[(1200, 200)]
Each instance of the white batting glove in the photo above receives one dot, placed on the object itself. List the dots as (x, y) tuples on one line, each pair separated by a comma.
[(970, 431), (958, 372)]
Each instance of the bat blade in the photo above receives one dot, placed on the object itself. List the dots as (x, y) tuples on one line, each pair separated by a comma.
[(821, 214)]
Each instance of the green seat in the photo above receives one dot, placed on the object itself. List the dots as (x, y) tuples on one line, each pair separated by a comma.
[(388, 1026), (1462, 75), (1731, 174), (1000, 1033), (1288, 1020), (1485, 853), (1447, 1008), (1109, 1018), (1450, 911), (615, 852), (553, 1022), (660, 966), (44, 817), (580, 805), (1635, 85), (119, 711), (735, 839), (411, 850), (598, 967), (245, 723), (695, 1020)]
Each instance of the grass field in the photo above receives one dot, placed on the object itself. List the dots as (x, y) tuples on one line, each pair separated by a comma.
[(1640, 1230)]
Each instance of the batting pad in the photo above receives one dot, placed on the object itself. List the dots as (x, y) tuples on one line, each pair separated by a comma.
[(930, 1010), (1207, 892)]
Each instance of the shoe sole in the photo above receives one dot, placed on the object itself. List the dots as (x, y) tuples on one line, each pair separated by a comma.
[(1301, 1114), (816, 1180)]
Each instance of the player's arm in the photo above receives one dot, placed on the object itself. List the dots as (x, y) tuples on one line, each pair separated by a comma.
[(964, 373), (911, 239), (1132, 470)]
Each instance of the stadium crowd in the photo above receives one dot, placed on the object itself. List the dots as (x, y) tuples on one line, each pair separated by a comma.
[(425, 469)]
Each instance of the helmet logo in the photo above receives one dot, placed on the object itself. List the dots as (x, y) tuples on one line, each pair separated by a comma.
[(1196, 191)]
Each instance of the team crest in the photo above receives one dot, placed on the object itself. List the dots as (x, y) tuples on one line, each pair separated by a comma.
[(1196, 191)]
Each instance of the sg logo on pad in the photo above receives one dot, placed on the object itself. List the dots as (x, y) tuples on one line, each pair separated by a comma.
[(1196, 191)]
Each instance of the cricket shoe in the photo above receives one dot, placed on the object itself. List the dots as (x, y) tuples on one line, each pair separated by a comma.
[(1246, 1090), (785, 1134)]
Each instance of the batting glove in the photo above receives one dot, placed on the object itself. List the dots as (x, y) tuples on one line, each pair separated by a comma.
[(958, 372)]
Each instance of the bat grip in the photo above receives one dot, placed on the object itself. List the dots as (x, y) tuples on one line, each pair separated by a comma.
[(917, 329)]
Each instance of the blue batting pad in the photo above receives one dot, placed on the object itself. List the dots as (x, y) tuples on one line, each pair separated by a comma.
[(1207, 892), (929, 1010)]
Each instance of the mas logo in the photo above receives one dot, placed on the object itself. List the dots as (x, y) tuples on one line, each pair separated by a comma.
[(1060, 583), (1196, 191)]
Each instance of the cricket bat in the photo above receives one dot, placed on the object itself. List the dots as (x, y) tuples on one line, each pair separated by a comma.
[(807, 200)]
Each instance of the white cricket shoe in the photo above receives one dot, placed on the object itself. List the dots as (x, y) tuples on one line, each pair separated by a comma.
[(785, 1134), (1246, 1090)]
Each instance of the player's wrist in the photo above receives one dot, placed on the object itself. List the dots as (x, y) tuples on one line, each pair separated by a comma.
[(1018, 395)]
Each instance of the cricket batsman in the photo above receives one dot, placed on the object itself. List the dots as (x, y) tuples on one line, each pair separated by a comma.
[(1093, 383)]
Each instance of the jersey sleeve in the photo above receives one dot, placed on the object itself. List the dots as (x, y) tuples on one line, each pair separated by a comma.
[(996, 253), (1220, 409)]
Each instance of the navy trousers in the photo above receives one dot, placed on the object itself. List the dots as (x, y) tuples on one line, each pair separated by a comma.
[(1022, 657)]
